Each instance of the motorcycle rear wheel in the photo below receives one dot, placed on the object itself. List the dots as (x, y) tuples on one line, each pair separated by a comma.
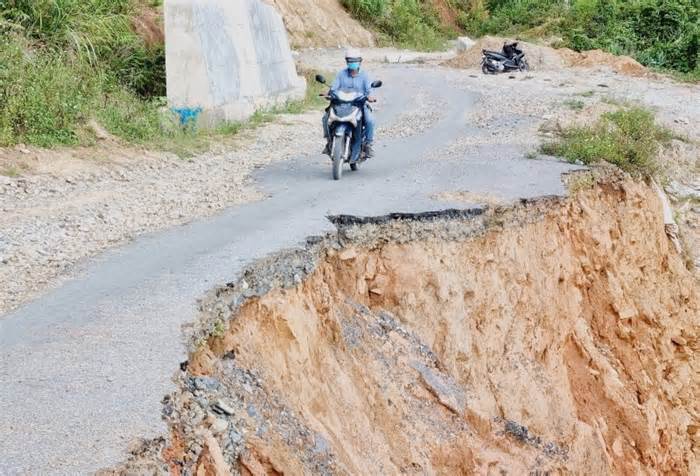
[(338, 157)]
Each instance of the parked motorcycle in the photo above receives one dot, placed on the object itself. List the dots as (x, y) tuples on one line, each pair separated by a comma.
[(511, 58), (345, 124)]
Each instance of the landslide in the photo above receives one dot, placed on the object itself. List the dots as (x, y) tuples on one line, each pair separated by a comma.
[(554, 335), (321, 23)]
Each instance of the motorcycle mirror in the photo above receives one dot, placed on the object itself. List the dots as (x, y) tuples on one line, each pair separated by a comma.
[(320, 79), (377, 84)]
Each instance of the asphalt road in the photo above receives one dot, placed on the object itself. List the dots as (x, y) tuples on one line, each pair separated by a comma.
[(83, 369)]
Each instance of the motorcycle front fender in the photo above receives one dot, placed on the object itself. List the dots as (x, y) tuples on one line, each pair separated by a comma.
[(343, 129)]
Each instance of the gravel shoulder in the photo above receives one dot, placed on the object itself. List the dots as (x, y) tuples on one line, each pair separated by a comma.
[(69, 209)]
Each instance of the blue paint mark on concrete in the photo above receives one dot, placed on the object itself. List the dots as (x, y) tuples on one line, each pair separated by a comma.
[(187, 115)]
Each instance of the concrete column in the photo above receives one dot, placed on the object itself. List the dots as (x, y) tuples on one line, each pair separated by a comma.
[(227, 58)]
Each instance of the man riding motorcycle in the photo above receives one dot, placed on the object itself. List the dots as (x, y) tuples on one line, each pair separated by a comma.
[(351, 78)]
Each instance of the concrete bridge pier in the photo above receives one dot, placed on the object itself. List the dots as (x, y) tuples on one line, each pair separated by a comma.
[(225, 59)]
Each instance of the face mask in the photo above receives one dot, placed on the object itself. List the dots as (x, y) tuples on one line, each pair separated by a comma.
[(354, 66)]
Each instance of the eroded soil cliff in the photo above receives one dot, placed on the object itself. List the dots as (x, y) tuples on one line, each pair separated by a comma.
[(316, 23), (553, 335)]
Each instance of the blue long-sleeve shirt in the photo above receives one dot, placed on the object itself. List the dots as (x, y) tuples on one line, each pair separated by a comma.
[(344, 80)]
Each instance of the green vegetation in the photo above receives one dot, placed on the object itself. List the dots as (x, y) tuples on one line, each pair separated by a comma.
[(658, 33), (407, 23), (575, 104), (65, 64), (663, 34), (189, 141), (628, 138), (580, 181)]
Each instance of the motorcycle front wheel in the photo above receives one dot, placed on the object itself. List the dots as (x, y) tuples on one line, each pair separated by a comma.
[(338, 156), (523, 66), (485, 69)]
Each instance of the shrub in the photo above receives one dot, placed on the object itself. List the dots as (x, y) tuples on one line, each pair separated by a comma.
[(406, 23), (628, 138), (659, 33), (43, 96), (65, 61), (95, 32)]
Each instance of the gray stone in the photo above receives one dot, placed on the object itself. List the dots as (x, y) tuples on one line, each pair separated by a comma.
[(206, 383), (235, 437), (683, 191), (219, 426), (443, 387), (464, 43), (222, 407)]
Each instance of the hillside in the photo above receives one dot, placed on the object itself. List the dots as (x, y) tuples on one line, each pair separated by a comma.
[(662, 34), (317, 23)]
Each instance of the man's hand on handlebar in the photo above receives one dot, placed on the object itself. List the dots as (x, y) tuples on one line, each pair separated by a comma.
[(371, 99)]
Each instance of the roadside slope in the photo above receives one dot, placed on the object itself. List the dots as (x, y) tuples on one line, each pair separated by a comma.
[(556, 335), (321, 23)]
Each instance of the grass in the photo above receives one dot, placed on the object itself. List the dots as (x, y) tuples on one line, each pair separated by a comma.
[(580, 182), (405, 23), (190, 141), (658, 33), (55, 81), (686, 77), (628, 138), (64, 63), (574, 104)]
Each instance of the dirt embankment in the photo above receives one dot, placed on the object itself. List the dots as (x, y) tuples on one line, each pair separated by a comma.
[(321, 23), (546, 58), (554, 335)]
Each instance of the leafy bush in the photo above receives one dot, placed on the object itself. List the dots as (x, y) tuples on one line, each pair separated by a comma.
[(628, 138), (406, 23), (95, 32), (659, 33), (513, 16), (63, 62), (43, 96)]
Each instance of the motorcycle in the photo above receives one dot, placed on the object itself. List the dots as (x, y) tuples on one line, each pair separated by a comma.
[(345, 124), (510, 59)]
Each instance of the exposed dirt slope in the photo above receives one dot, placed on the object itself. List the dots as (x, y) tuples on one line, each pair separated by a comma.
[(546, 58), (557, 335), (321, 23)]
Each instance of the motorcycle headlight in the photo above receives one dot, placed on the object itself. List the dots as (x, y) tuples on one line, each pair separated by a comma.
[(352, 117)]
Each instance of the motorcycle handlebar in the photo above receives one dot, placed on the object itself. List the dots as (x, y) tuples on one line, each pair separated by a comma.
[(329, 98)]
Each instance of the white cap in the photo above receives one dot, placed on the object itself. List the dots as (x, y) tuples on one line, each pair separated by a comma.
[(353, 53)]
